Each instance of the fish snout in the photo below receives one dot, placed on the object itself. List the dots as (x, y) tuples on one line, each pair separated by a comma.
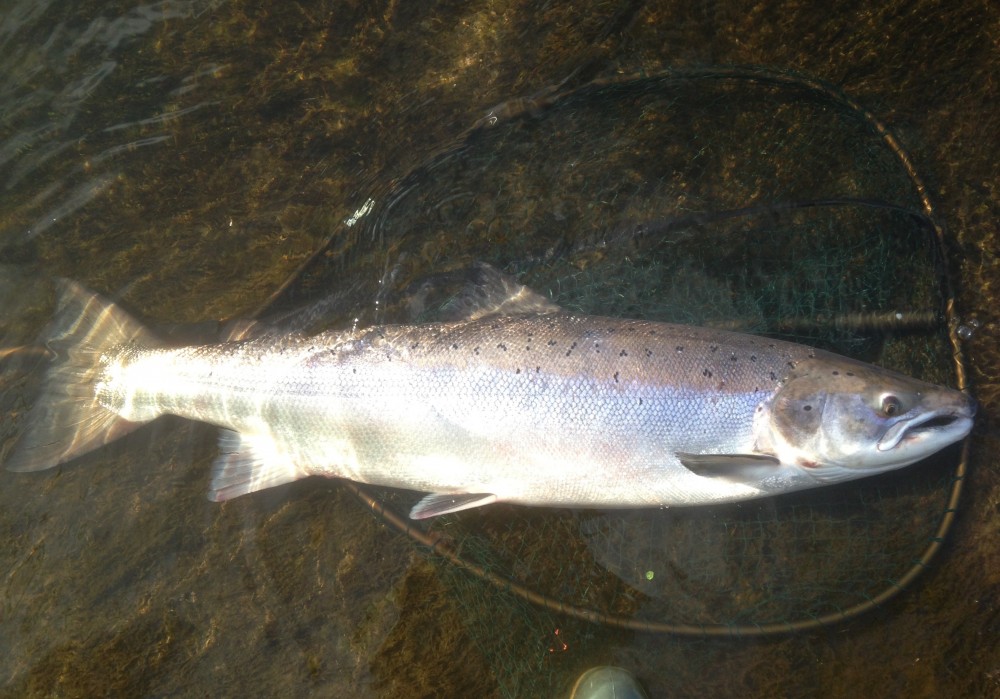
[(942, 426)]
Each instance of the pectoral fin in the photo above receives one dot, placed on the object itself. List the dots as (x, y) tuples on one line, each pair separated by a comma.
[(733, 467), (445, 503)]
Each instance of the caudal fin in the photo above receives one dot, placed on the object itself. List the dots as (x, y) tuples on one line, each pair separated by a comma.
[(67, 420)]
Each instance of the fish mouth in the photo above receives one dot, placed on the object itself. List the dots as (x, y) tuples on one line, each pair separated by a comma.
[(943, 426)]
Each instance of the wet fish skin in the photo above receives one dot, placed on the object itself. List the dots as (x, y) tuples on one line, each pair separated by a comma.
[(538, 409)]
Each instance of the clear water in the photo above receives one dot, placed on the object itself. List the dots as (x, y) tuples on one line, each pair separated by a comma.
[(190, 158)]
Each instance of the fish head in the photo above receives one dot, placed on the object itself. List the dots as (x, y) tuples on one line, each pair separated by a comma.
[(840, 419)]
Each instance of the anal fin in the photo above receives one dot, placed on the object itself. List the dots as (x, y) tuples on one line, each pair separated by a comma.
[(248, 463)]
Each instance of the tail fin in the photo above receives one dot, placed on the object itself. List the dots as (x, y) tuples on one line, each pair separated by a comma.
[(67, 420)]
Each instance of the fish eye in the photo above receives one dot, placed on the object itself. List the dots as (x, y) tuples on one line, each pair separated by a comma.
[(891, 405)]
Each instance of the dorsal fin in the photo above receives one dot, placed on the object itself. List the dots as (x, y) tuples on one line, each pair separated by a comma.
[(482, 291)]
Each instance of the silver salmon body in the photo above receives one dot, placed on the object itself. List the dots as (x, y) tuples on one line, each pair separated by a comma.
[(547, 409)]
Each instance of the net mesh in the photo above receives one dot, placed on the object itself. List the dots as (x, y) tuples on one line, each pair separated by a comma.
[(739, 199)]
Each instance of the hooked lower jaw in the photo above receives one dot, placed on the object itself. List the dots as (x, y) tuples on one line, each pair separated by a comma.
[(943, 426)]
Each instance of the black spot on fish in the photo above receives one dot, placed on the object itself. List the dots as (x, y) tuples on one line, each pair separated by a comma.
[(414, 345), (753, 357), (807, 408), (518, 371), (707, 373), (475, 350), (773, 377), (732, 357), (538, 369), (836, 373), (551, 343), (616, 377), (713, 348), (649, 352), (502, 346), (679, 348), (623, 353), (850, 373), (454, 345), (355, 370)]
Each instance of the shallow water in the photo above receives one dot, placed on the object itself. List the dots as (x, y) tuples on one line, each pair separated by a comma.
[(190, 158)]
